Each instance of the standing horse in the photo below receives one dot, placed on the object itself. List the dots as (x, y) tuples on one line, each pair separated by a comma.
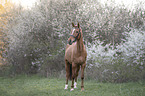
[(75, 57)]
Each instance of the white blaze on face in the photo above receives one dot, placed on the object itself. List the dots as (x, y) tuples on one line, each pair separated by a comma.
[(73, 31)]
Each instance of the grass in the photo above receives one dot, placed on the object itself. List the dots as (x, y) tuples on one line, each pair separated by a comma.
[(40, 86)]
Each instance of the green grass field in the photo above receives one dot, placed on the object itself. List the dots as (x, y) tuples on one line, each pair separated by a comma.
[(40, 86)]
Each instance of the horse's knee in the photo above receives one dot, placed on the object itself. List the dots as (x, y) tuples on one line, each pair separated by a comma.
[(73, 76), (67, 75), (76, 75), (82, 77)]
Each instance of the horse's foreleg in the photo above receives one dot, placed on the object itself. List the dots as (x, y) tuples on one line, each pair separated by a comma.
[(77, 73), (82, 75), (75, 83), (73, 76), (67, 66)]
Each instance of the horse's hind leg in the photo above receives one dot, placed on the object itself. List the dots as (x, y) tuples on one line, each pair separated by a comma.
[(82, 75), (67, 68)]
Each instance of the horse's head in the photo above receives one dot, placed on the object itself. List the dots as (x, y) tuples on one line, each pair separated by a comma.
[(75, 34)]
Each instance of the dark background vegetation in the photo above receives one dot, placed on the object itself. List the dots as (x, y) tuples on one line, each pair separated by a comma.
[(35, 39)]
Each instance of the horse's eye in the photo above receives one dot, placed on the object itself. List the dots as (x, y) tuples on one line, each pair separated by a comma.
[(76, 31)]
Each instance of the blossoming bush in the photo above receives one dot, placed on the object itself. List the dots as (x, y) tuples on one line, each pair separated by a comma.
[(118, 64), (36, 38)]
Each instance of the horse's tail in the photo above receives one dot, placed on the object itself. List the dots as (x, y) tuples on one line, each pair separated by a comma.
[(70, 71)]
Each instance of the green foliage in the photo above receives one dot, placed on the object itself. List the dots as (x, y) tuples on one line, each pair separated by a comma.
[(33, 85)]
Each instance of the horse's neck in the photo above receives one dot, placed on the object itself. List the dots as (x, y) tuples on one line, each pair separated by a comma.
[(80, 46)]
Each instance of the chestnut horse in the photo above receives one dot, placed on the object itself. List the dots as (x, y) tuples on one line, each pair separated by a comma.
[(75, 57)]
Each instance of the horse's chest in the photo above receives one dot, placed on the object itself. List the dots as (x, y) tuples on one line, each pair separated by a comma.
[(79, 60)]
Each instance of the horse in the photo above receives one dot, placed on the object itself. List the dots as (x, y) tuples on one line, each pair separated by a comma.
[(75, 57)]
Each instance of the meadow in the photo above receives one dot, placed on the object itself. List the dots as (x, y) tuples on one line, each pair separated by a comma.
[(40, 86)]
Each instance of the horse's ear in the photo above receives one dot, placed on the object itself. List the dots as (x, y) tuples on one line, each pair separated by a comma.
[(78, 25), (73, 24)]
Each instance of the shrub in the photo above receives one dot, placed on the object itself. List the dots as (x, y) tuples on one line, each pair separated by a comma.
[(122, 63), (37, 37)]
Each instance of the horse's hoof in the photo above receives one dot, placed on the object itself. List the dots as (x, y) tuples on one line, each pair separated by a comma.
[(71, 89), (65, 88), (75, 87), (82, 89)]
